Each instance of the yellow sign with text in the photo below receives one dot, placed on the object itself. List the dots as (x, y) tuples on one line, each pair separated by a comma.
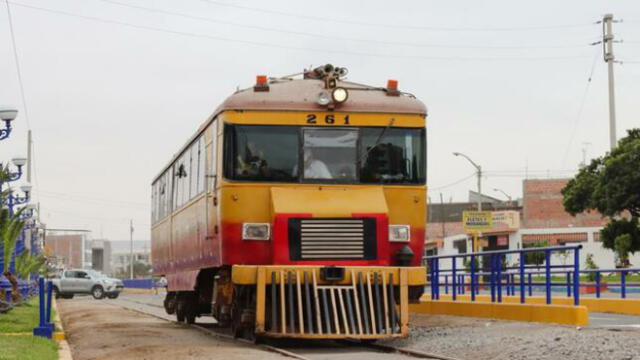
[(474, 221)]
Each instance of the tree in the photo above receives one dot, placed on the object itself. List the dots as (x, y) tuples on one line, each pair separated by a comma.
[(611, 185), (535, 257), (590, 264), (140, 270), (10, 229), (28, 263), (622, 245)]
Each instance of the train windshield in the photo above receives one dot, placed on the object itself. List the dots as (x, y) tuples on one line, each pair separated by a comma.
[(332, 155)]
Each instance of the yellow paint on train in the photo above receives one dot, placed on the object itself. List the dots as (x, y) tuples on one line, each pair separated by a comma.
[(322, 118)]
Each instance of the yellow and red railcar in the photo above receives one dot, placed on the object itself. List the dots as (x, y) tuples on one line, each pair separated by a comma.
[(298, 210)]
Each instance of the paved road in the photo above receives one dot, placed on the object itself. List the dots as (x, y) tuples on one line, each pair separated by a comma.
[(613, 321)]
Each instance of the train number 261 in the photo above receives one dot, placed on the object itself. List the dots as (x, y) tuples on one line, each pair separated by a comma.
[(328, 119)]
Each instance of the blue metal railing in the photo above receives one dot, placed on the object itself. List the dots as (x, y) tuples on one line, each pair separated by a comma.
[(507, 279), (499, 273)]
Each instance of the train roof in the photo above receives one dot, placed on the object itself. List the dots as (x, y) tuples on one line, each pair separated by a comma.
[(294, 94), (301, 95)]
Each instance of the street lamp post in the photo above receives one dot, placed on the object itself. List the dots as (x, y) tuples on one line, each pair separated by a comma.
[(503, 193), (478, 173), (476, 235), (7, 115)]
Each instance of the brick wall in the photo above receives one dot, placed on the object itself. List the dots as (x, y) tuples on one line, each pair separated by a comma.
[(65, 247), (542, 207)]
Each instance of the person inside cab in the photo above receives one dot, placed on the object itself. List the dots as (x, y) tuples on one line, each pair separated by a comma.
[(314, 168)]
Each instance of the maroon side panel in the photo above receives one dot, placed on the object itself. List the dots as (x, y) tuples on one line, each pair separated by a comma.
[(182, 281)]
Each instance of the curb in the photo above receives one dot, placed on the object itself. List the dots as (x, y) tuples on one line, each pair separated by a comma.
[(64, 351), (556, 314), (629, 306)]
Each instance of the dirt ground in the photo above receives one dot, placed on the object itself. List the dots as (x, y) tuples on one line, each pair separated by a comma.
[(483, 339), (97, 330)]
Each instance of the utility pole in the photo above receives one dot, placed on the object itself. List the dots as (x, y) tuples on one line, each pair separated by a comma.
[(609, 58), (131, 248), (29, 156), (444, 235)]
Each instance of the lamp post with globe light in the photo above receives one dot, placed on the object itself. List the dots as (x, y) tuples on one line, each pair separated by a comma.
[(19, 162), (13, 200), (7, 114)]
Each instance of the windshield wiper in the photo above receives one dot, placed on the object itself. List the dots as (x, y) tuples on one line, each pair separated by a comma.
[(375, 145)]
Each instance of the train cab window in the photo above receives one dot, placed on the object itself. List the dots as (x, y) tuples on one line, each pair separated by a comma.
[(393, 155), (262, 153), (329, 154)]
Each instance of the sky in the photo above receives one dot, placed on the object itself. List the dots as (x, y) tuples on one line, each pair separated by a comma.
[(113, 88)]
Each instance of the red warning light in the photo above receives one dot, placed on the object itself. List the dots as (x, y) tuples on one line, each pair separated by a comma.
[(392, 88), (261, 83)]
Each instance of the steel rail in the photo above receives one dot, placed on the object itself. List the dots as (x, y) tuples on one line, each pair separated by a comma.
[(378, 347)]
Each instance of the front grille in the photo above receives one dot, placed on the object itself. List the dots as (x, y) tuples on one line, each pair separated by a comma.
[(322, 238)]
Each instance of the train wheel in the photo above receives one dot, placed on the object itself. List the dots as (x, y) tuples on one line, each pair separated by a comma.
[(190, 308), (180, 309), (243, 313), (170, 303)]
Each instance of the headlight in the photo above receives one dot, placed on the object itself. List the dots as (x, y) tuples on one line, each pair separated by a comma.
[(339, 95), (399, 233), (256, 231)]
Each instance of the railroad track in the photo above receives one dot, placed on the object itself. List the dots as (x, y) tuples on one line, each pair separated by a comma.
[(296, 353)]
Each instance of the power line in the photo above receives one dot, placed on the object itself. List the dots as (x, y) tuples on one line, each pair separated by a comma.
[(87, 198), (328, 37), (581, 108), (393, 26), (277, 46), (453, 183), (17, 60)]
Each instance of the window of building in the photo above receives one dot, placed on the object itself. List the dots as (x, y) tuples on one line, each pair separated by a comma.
[(461, 246)]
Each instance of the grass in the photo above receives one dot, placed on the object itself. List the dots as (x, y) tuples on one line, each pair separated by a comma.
[(22, 319), (27, 348)]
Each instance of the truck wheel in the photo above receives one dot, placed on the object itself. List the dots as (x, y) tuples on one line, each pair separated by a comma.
[(97, 292), (56, 292)]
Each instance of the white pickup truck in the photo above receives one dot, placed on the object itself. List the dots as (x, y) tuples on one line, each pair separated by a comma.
[(81, 281)]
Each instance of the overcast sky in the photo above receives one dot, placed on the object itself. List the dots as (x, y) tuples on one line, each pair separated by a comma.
[(113, 91)]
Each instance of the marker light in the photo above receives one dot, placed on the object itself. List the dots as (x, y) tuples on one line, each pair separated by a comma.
[(261, 83), (256, 231), (323, 99), (392, 88), (339, 95), (399, 233)]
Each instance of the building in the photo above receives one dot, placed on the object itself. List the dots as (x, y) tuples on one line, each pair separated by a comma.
[(101, 259), (68, 249), (539, 218), (121, 255)]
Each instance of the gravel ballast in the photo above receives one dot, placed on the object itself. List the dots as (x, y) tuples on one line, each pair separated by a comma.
[(479, 339)]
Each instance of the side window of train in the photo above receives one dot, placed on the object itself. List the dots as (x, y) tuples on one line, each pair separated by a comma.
[(212, 150)]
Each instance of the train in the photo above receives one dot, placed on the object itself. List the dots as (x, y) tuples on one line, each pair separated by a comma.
[(297, 210)]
